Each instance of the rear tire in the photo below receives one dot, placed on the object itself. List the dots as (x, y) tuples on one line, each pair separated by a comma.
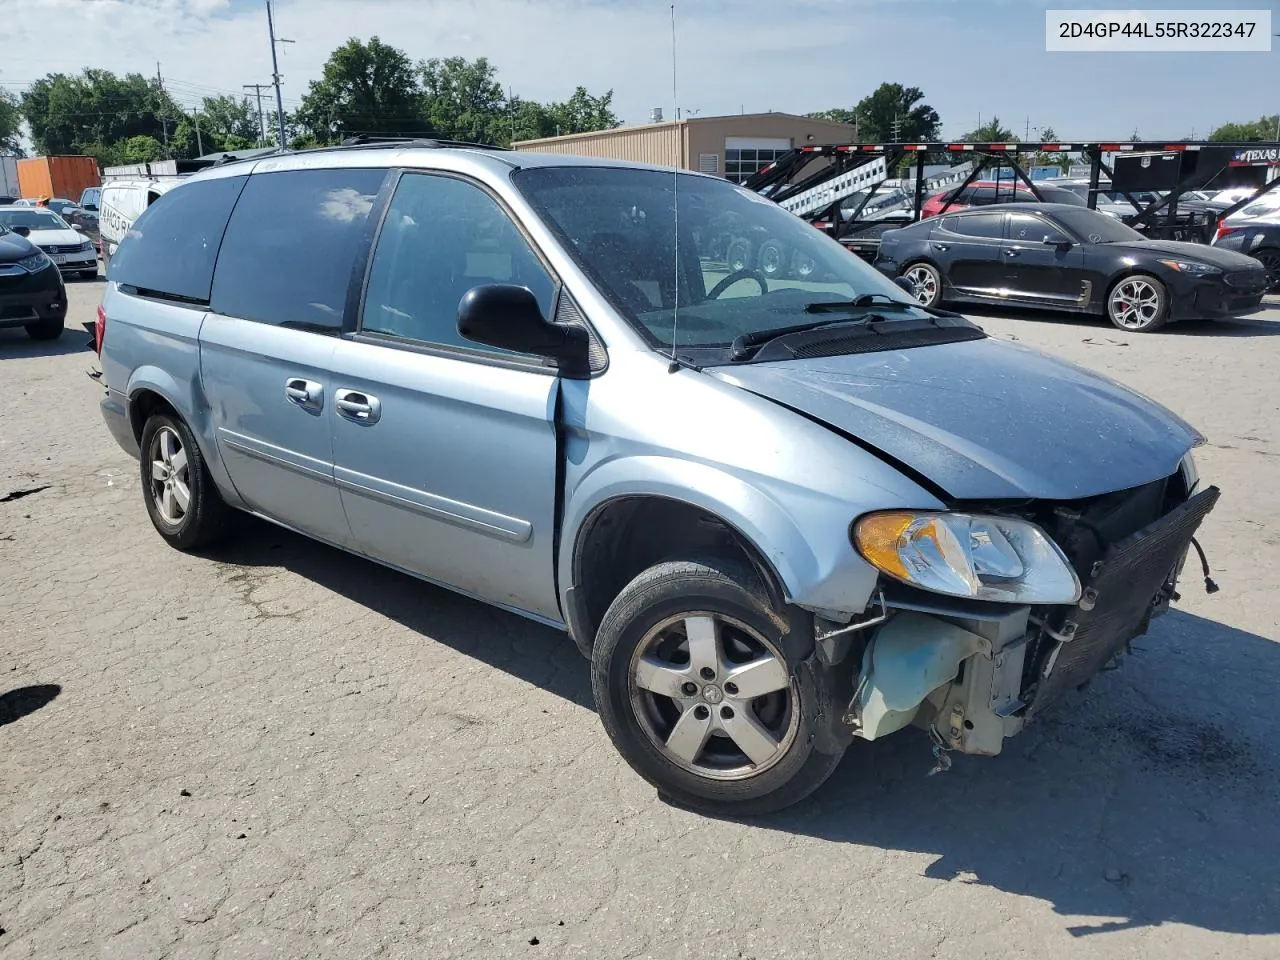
[(50, 329), (182, 501), (927, 282), (695, 680), (1269, 257)]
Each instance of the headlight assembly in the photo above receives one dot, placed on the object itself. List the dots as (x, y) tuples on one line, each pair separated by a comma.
[(963, 555), (35, 263), (1190, 267)]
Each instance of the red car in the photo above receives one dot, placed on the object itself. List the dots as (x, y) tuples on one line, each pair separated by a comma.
[(982, 193)]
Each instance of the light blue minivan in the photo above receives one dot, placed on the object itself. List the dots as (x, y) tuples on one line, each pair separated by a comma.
[(778, 513)]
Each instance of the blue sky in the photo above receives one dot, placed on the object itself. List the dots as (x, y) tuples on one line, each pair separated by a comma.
[(971, 57)]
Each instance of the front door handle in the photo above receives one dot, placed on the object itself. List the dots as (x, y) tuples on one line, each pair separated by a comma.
[(356, 406), (941, 246), (1011, 253), (304, 393)]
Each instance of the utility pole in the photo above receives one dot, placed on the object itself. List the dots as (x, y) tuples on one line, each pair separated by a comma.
[(199, 143), (262, 124), (275, 72), (164, 127)]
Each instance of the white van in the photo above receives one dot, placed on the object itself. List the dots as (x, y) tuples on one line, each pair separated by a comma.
[(122, 202)]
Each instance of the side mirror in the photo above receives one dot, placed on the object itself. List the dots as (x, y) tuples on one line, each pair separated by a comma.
[(1057, 244), (906, 285), (22, 231), (77, 228), (508, 316)]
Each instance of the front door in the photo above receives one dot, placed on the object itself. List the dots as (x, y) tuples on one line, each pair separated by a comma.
[(1041, 263), (445, 452), (967, 246)]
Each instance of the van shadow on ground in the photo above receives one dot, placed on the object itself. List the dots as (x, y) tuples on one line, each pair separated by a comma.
[(1150, 798)]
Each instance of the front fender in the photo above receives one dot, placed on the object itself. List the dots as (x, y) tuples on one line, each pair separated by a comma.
[(806, 540)]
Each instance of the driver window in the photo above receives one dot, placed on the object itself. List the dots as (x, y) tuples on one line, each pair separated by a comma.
[(441, 237)]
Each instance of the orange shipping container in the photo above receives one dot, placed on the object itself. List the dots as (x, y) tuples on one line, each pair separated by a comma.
[(65, 177)]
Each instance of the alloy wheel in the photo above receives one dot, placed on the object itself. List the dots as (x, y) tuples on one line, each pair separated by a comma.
[(170, 486), (713, 696), (1270, 259), (925, 283), (1135, 304)]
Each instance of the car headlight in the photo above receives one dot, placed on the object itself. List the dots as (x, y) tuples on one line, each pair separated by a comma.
[(86, 246), (35, 263), (1190, 475), (1190, 267), (963, 555)]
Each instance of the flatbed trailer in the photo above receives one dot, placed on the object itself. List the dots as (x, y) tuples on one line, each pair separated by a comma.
[(1182, 165)]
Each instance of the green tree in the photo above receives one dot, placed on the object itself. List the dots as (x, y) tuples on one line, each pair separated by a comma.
[(583, 113), (1060, 160), (366, 88), (462, 100), (990, 132), (890, 107), (1266, 127), (229, 118), (10, 123), (67, 113)]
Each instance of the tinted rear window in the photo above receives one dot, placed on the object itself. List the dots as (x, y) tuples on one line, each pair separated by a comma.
[(291, 246), (987, 225), (171, 248)]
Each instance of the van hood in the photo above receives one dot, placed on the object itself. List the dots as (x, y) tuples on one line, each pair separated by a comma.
[(983, 419)]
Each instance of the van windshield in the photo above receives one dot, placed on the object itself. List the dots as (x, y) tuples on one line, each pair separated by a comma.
[(745, 264)]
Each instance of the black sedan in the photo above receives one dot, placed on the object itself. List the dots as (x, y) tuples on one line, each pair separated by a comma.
[(1258, 240), (32, 294), (1071, 258)]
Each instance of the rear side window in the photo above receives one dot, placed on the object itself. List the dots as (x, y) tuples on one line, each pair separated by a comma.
[(291, 246), (986, 225), (170, 250)]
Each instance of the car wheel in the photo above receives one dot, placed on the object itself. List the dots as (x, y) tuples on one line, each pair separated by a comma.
[(1138, 304), (772, 259), (738, 256), (803, 266), (184, 505), (50, 329), (1269, 257), (695, 680), (926, 281)]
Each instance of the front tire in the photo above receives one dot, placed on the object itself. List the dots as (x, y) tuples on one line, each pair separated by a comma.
[(182, 501), (1138, 304), (1269, 257), (695, 680)]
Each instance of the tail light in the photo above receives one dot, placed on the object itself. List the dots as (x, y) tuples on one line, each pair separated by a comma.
[(1223, 230), (99, 330)]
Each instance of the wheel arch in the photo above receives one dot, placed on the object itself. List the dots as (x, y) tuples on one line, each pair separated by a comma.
[(1123, 274)]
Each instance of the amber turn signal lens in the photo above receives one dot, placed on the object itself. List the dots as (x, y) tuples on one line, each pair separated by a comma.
[(878, 538)]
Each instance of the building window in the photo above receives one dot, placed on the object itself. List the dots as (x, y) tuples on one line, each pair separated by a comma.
[(741, 165)]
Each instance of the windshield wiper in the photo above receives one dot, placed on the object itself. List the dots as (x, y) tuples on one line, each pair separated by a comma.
[(744, 345), (861, 300)]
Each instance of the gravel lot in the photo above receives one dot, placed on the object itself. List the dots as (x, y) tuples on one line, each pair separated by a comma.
[(284, 751)]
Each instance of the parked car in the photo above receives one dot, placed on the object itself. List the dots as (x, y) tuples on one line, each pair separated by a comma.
[(72, 213), (65, 244), (1260, 240), (121, 203), (1069, 258), (984, 193), (776, 518), (32, 294)]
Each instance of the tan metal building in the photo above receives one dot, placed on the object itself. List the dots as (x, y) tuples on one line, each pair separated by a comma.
[(734, 146)]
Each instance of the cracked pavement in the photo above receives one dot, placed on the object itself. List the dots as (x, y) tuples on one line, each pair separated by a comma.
[(277, 750)]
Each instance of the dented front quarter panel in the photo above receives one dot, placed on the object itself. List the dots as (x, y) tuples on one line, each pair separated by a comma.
[(790, 486)]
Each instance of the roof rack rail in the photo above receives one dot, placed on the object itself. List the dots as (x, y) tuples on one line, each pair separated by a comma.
[(362, 140)]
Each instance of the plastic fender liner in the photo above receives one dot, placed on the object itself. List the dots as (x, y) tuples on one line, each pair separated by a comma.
[(911, 656)]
